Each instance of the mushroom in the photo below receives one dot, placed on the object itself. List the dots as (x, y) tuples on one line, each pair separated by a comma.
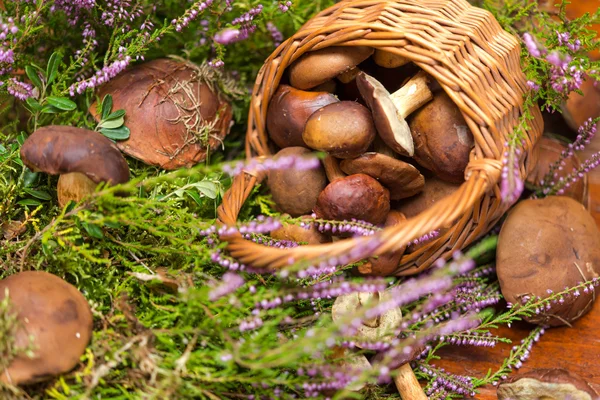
[(558, 246), (375, 329), (402, 179), (442, 139), (296, 191), (174, 111), (344, 129), (390, 110), (332, 168), (389, 60), (289, 109), (319, 66), (83, 158), (547, 384), (580, 107), (356, 196), (385, 264), (549, 151), (295, 233), (346, 359), (55, 316)]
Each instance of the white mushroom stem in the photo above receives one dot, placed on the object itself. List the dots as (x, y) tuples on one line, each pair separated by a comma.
[(414, 94), (389, 60), (408, 385), (332, 168), (349, 75)]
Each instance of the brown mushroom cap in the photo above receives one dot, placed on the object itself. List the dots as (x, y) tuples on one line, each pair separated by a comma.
[(548, 244), (64, 149), (300, 234), (550, 384), (296, 191), (389, 60), (58, 318), (579, 108), (316, 67), (289, 109), (442, 139), (160, 98), (386, 264), (402, 179), (356, 196), (433, 191), (549, 151), (344, 129)]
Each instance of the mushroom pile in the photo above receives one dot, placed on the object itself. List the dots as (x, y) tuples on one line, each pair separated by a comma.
[(395, 142)]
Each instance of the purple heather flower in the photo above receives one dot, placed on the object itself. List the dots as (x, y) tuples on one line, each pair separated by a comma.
[(511, 183), (20, 90), (227, 36), (276, 35), (100, 77), (230, 283), (285, 162), (532, 46)]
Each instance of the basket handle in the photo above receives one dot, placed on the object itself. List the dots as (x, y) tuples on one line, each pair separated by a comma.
[(481, 175)]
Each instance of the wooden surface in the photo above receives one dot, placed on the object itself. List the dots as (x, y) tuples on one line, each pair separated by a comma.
[(576, 349)]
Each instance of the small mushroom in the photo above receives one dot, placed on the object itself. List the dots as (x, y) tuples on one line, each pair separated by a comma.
[(385, 264), (549, 151), (442, 138), (390, 110), (344, 129), (580, 107), (389, 60), (83, 158), (174, 111), (346, 359), (558, 246), (289, 109), (56, 316), (316, 67), (296, 191), (356, 196), (547, 384), (402, 179), (300, 234)]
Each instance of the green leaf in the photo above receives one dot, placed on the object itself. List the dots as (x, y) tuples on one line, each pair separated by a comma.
[(29, 178), (115, 115), (194, 196), (62, 103), (107, 104), (208, 189), (38, 194), (33, 76), (113, 225), (49, 109), (53, 64), (120, 133), (29, 202), (34, 104), (112, 124), (93, 230), (2, 148)]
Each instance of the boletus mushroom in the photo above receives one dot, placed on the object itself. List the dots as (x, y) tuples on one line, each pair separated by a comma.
[(387, 263), (83, 158), (295, 233), (580, 107), (442, 138), (544, 246), (316, 67), (289, 109), (399, 177), (173, 109), (344, 129), (56, 316), (549, 151), (547, 384), (356, 196), (296, 191), (390, 110), (389, 60)]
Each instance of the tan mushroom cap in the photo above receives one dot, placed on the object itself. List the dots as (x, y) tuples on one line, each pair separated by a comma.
[(300, 234), (555, 383), (58, 318), (168, 106), (389, 60), (65, 149), (400, 178), (579, 108), (289, 109), (317, 67)]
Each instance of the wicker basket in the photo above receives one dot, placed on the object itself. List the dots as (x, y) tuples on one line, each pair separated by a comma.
[(476, 63)]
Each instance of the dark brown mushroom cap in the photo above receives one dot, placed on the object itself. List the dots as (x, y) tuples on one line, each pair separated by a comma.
[(289, 109), (548, 244), (386, 264), (64, 149), (442, 138), (549, 151), (356, 196), (58, 318), (316, 67), (344, 129), (433, 191), (402, 179), (392, 128), (296, 191), (550, 384), (160, 98)]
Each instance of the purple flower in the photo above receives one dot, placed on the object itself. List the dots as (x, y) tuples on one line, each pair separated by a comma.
[(100, 77), (230, 283), (20, 90), (511, 183), (276, 35), (532, 46), (227, 36)]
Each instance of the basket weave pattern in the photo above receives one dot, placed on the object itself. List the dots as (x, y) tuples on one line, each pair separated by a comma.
[(476, 63)]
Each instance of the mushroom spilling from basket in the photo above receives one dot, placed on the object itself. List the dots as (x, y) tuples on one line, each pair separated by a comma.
[(393, 150)]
